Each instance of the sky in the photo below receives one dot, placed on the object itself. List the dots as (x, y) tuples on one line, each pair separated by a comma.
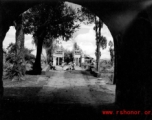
[(84, 37)]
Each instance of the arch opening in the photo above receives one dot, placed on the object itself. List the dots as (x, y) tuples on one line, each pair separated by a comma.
[(78, 39), (82, 86), (125, 94)]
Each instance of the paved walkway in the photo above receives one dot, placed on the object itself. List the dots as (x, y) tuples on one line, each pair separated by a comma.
[(75, 87)]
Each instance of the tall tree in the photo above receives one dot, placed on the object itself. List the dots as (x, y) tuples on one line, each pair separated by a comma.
[(88, 17), (111, 50), (97, 28), (19, 54), (47, 22)]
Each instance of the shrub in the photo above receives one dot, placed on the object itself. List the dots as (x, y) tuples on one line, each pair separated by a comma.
[(16, 65)]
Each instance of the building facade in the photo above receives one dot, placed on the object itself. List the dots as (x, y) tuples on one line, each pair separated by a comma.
[(58, 57)]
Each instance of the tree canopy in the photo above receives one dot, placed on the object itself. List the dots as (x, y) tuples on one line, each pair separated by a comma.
[(56, 19), (11, 52), (47, 22)]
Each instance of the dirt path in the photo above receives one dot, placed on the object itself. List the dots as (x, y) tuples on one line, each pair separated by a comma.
[(65, 95), (75, 87)]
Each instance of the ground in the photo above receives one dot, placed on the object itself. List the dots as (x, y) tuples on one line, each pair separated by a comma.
[(58, 94)]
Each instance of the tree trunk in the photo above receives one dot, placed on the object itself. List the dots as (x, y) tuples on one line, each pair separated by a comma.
[(20, 44), (97, 49), (37, 65), (98, 35), (99, 42), (98, 56)]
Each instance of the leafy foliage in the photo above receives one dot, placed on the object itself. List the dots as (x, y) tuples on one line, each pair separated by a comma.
[(57, 19), (10, 56), (29, 57), (47, 22), (89, 17), (111, 49), (15, 65), (16, 68), (68, 56), (86, 16), (103, 42)]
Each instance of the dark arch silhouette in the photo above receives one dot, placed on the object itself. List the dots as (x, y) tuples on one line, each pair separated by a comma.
[(129, 22)]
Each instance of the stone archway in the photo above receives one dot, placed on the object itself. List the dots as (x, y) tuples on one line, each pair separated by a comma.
[(128, 26)]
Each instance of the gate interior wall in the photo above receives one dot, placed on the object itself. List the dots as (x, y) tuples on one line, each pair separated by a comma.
[(133, 61)]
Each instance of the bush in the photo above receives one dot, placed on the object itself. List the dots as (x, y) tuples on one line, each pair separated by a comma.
[(15, 66)]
